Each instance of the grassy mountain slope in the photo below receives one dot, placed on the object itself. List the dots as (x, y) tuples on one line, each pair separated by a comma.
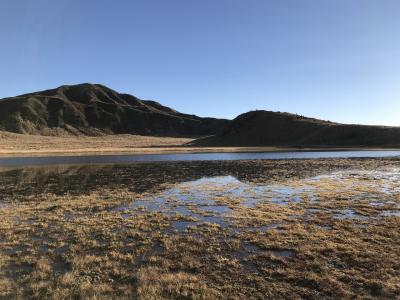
[(92, 109), (266, 128)]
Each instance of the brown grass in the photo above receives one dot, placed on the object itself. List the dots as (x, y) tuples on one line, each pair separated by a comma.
[(12, 144), (64, 245)]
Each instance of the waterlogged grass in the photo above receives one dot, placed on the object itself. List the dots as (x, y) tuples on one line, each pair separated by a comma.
[(206, 230)]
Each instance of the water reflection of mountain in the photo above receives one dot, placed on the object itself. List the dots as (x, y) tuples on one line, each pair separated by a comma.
[(83, 179)]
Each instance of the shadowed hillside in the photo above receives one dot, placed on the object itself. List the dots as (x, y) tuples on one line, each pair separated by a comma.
[(92, 109), (266, 128)]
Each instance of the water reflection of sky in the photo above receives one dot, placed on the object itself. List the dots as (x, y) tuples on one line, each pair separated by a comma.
[(214, 199), (120, 159)]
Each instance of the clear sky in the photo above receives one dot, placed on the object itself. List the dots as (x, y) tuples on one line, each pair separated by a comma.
[(337, 60)]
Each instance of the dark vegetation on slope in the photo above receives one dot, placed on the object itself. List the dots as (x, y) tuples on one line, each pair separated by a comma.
[(266, 128), (93, 109)]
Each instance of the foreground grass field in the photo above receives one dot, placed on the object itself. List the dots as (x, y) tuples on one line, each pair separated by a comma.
[(202, 230)]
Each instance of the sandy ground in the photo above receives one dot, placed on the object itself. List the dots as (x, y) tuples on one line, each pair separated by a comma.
[(12, 144)]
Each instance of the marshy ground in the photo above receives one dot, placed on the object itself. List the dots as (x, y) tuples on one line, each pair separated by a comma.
[(327, 228)]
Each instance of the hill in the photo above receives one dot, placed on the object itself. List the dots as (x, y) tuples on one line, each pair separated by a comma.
[(267, 128), (93, 109)]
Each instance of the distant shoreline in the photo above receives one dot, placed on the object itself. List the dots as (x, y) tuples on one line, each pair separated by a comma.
[(174, 150), (20, 145)]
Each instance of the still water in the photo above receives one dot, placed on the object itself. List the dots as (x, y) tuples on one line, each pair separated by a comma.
[(119, 159)]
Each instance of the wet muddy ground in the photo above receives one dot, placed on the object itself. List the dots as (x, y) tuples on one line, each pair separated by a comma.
[(327, 228)]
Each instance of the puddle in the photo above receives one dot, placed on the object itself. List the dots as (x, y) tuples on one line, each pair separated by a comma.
[(61, 267), (390, 213), (15, 250), (262, 228), (285, 195), (314, 210), (324, 227), (222, 222), (270, 227), (250, 202), (181, 226), (281, 253), (196, 199), (377, 204), (208, 192), (219, 209), (346, 214), (61, 250), (157, 204), (251, 248), (214, 199), (18, 269)]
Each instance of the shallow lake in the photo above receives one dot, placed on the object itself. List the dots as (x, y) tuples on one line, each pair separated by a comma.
[(119, 159)]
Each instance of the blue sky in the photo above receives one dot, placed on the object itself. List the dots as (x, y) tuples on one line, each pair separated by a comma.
[(337, 60)]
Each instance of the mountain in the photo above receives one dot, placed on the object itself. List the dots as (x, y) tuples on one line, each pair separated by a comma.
[(266, 128), (93, 109)]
